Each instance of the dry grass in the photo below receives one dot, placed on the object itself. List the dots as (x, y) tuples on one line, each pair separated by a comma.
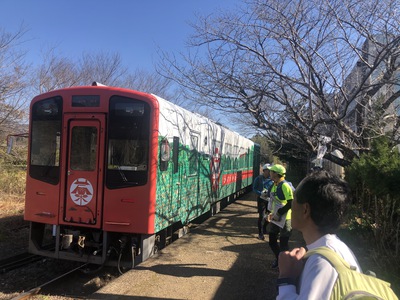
[(12, 181), (12, 189), (11, 205)]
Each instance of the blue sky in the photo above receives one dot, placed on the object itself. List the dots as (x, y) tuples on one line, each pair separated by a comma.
[(133, 28)]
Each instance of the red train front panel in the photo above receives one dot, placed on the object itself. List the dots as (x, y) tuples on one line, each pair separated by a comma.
[(80, 172)]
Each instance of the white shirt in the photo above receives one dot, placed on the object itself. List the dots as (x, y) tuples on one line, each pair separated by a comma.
[(318, 276)]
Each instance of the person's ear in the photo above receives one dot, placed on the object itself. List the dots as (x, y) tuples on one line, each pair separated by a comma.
[(306, 210)]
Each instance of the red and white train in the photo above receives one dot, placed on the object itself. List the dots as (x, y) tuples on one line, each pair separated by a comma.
[(112, 172)]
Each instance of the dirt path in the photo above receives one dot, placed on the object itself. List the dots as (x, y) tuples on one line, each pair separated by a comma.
[(220, 259)]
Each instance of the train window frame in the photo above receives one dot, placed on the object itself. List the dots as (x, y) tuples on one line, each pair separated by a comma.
[(45, 140), (128, 143)]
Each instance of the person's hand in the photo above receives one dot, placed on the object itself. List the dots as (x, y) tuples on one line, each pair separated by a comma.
[(269, 217), (290, 263)]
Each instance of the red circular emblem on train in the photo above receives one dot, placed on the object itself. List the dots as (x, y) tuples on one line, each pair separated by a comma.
[(81, 191)]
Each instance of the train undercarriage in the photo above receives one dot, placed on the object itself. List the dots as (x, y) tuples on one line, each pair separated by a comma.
[(87, 245), (103, 248)]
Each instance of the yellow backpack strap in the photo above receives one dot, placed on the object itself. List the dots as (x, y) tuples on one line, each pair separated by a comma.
[(350, 283), (332, 257)]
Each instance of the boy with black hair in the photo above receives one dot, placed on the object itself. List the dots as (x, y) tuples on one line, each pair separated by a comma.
[(319, 205)]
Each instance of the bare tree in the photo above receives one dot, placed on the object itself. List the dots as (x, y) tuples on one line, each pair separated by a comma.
[(300, 70), (55, 72), (12, 80), (149, 82), (58, 71), (106, 68)]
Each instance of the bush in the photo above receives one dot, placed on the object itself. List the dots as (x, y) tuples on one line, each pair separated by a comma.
[(374, 180), (13, 171)]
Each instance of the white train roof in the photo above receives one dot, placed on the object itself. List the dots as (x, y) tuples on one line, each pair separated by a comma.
[(193, 128)]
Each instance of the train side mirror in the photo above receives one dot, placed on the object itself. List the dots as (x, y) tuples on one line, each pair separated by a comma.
[(165, 150), (11, 140), (165, 154)]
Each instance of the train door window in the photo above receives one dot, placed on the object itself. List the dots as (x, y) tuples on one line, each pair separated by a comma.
[(193, 154), (44, 162), (83, 148), (128, 142)]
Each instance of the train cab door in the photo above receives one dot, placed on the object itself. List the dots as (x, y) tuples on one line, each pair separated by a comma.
[(84, 180)]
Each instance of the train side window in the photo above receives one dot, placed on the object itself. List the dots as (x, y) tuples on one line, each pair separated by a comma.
[(46, 140)]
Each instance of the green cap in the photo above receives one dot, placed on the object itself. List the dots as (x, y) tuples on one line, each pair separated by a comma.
[(279, 169)]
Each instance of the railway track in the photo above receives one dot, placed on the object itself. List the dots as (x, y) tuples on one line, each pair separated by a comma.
[(18, 261), (36, 290)]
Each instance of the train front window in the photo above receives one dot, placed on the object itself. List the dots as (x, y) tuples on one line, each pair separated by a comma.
[(128, 142), (45, 140)]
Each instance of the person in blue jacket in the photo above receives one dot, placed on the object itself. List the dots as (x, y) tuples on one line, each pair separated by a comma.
[(261, 185)]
